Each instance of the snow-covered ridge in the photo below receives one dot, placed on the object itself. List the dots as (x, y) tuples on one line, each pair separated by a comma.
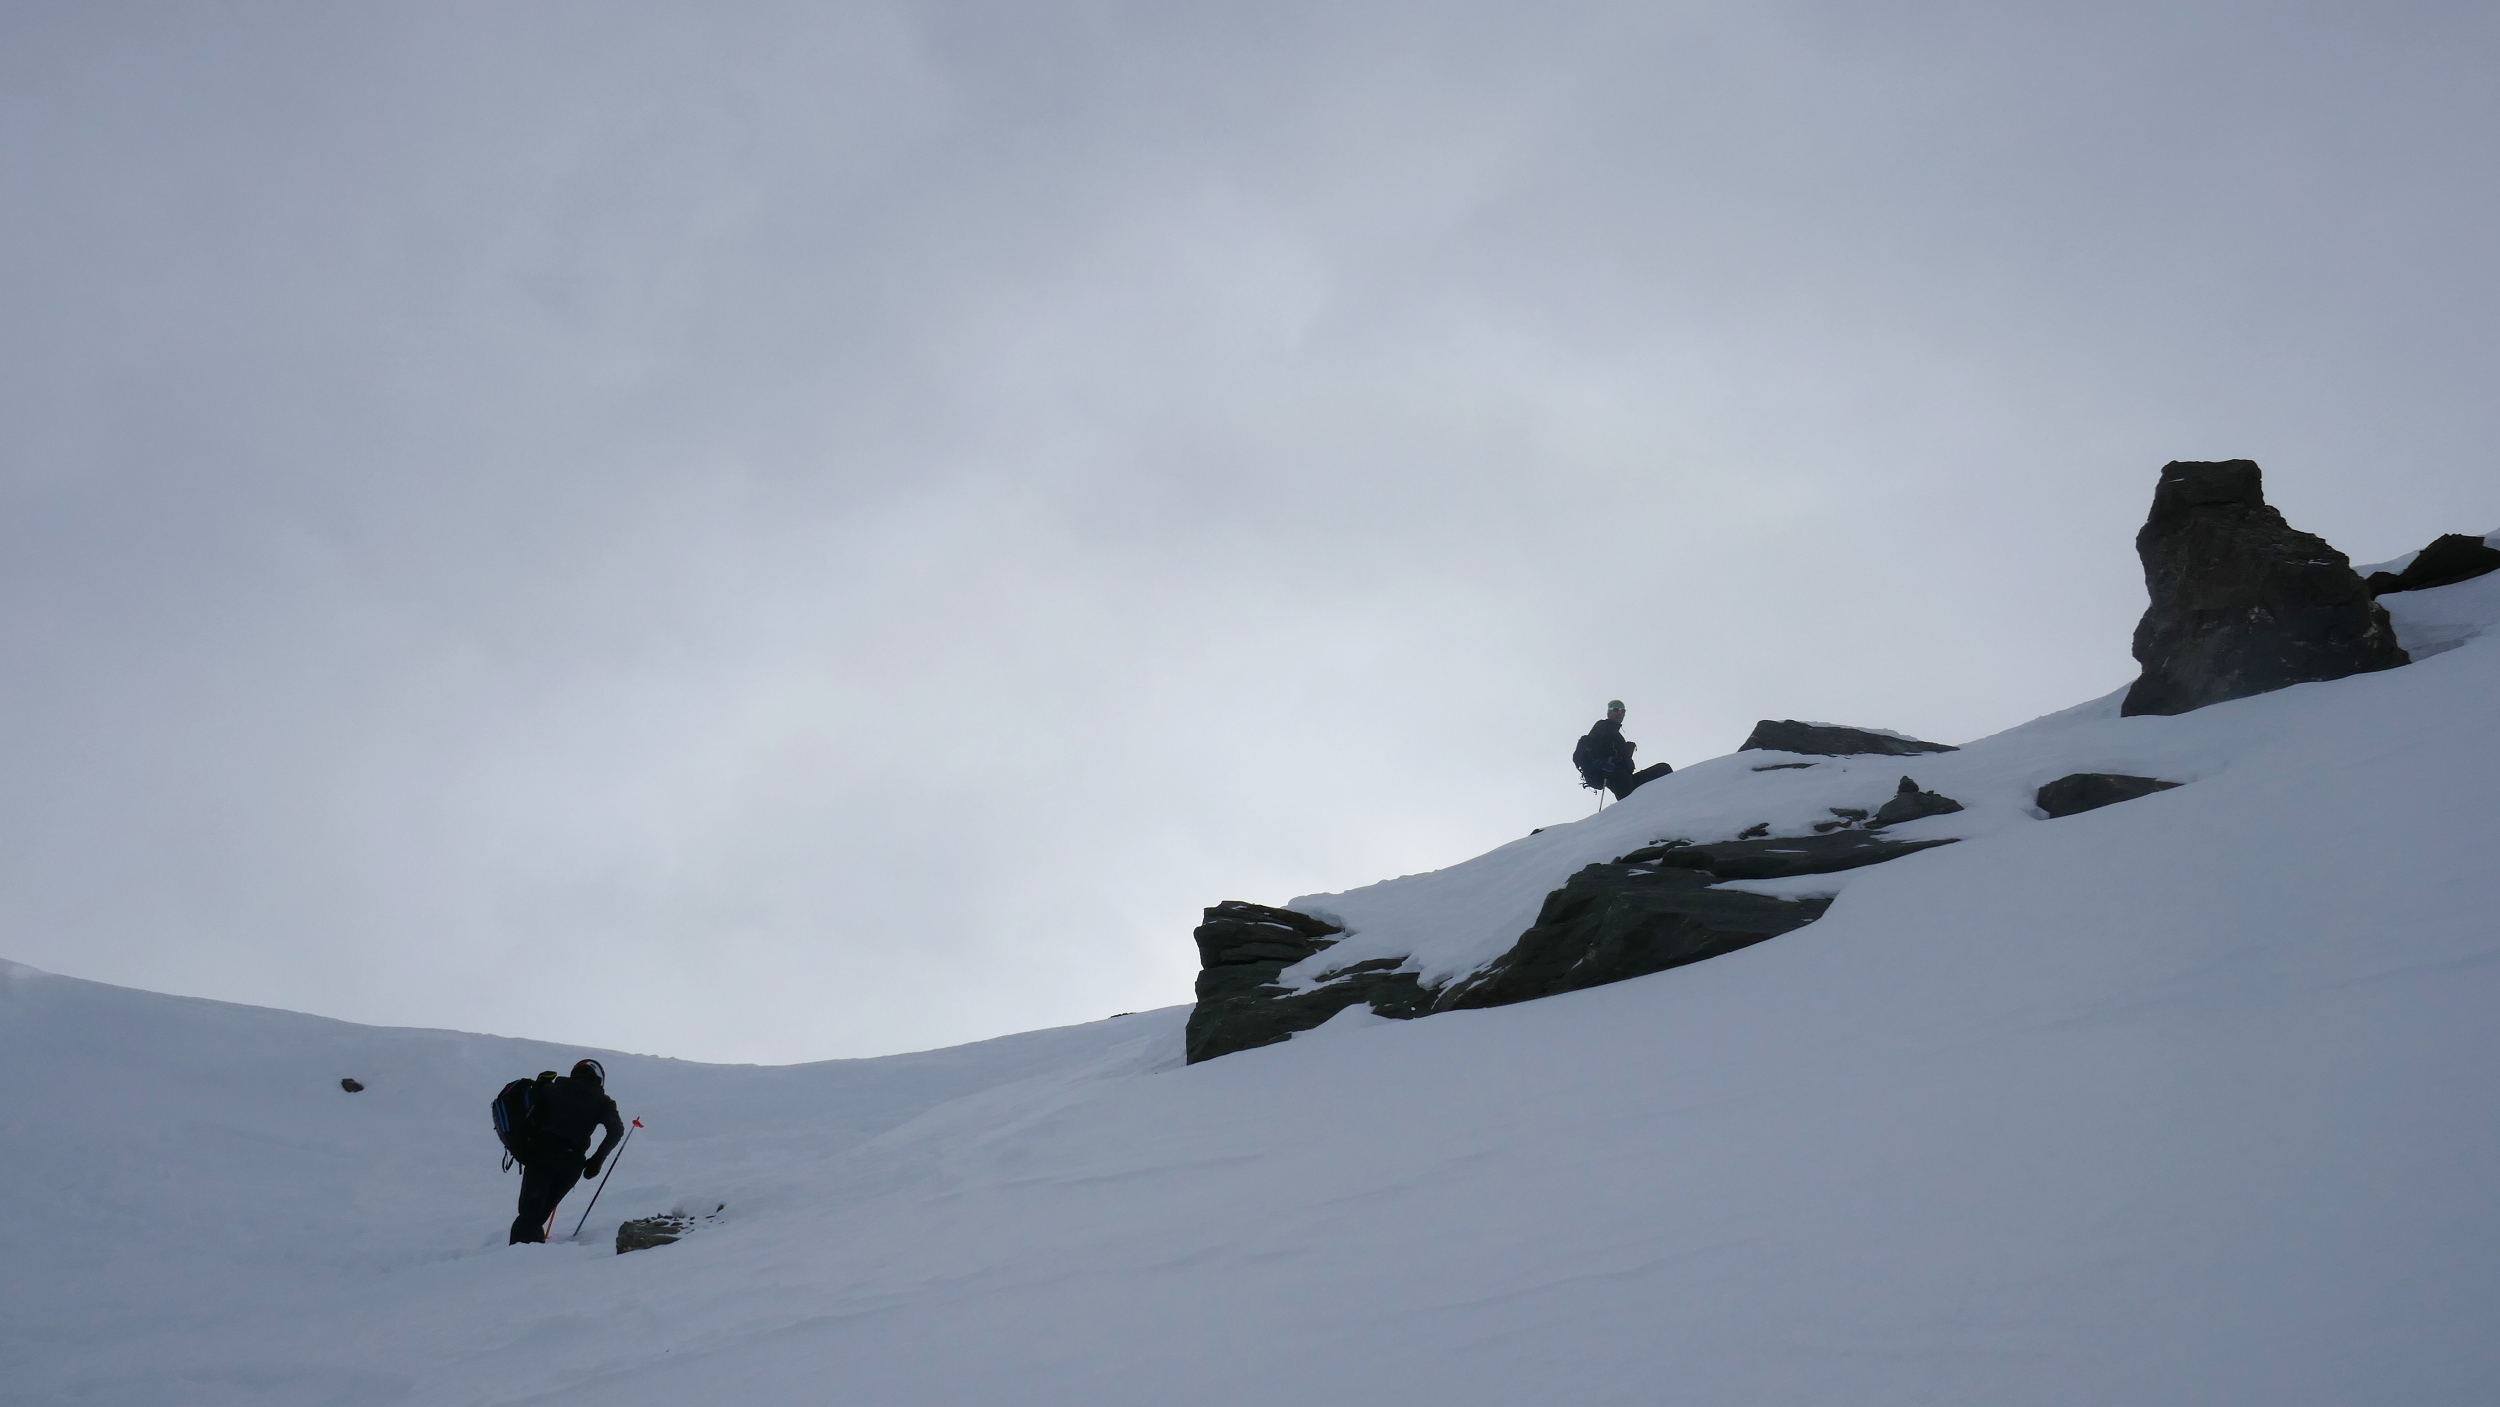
[(1449, 923), (2182, 1101)]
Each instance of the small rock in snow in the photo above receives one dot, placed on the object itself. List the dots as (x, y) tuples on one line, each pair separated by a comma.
[(1911, 804), (2079, 792)]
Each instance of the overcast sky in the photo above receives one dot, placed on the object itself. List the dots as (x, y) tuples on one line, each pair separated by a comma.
[(764, 532)]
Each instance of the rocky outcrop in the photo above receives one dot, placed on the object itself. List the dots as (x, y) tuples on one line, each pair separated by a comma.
[(2242, 602), (1784, 857), (2078, 792), (643, 1233), (2449, 559), (1910, 803), (1645, 912), (1610, 922), (1244, 948), (1831, 740), (1658, 908)]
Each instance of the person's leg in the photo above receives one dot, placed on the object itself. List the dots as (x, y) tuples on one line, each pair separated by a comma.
[(543, 1185), (553, 1177), (532, 1213), (1624, 786)]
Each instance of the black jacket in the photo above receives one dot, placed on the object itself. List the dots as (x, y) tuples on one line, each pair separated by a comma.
[(1604, 752), (565, 1113)]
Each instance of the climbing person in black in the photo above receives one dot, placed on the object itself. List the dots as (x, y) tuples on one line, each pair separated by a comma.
[(1604, 757), (560, 1121)]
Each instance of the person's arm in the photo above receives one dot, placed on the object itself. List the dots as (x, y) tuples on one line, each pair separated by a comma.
[(1620, 745), (611, 1128)]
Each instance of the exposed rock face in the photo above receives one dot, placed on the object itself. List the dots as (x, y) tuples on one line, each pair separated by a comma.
[(1244, 939), (1648, 911), (1781, 858), (2449, 559), (643, 1233), (1655, 908), (2078, 792), (2242, 602), (1828, 740), (1243, 948), (352, 1085), (1911, 804), (1610, 922)]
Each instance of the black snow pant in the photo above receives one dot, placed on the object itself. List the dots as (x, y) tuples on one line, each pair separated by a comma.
[(543, 1184), (1623, 786)]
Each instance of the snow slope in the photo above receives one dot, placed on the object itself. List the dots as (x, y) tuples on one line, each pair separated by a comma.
[(1451, 922), (2187, 1100)]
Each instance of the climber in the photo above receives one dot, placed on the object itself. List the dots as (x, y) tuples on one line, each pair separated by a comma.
[(560, 1121), (1604, 757)]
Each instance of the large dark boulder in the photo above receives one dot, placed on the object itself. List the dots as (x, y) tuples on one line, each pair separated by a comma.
[(1244, 948), (2451, 558), (2242, 602), (1610, 922), (1830, 740), (2078, 792)]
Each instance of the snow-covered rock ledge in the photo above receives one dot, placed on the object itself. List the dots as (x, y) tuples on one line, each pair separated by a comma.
[(2243, 606)]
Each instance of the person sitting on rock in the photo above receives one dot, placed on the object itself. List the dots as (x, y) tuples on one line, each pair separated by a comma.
[(559, 1144), (1604, 757)]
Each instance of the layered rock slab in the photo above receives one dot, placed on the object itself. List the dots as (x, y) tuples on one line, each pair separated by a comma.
[(1832, 740), (1243, 948), (1648, 911), (2242, 602), (1780, 857), (1615, 921), (2451, 558)]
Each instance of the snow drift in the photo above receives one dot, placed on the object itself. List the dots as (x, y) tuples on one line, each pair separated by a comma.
[(2183, 1100)]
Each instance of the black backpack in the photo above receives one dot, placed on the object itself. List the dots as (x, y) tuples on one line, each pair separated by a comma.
[(512, 1109), (1592, 760)]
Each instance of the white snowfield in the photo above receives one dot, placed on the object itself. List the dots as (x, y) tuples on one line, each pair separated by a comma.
[(2189, 1100)]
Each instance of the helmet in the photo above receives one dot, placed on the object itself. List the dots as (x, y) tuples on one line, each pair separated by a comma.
[(597, 1072)]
